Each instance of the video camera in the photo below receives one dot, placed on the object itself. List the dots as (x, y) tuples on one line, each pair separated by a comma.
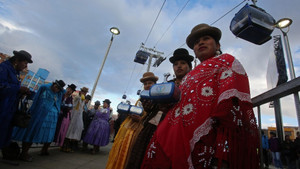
[(166, 92), (129, 109)]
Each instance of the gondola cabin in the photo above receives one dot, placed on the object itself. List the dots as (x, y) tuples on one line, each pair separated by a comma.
[(141, 56), (253, 24)]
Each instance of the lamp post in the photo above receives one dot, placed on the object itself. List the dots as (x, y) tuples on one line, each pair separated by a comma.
[(281, 24), (114, 31)]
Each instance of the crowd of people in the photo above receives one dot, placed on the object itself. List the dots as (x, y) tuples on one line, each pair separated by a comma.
[(57, 114), (281, 153), (212, 125)]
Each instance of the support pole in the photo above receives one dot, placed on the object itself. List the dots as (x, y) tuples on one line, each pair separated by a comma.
[(102, 65), (149, 62), (278, 119), (292, 72)]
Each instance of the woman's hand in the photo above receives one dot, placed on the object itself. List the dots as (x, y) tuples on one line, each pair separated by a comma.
[(24, 90), (165, 107), (135, 118), (147, 105)]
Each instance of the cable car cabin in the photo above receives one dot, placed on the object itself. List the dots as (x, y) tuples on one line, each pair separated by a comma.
[(141, 56), (253, 24)]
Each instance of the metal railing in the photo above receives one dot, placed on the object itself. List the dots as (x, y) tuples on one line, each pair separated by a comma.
[(285, 89)]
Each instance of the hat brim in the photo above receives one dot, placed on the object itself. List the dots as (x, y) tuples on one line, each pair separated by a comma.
[(108, 102), (70, 86), (186, 58), (21, 54), (212, 31), (56, 82), (29, 60), (147, 78), (85, 90)]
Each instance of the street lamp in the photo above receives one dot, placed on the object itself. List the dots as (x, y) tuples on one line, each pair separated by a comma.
[(285, 23), (281, 24), (114, 31)]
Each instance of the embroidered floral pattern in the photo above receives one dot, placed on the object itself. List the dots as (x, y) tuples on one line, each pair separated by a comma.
[(187, 109), (207, 91), (226, 74)]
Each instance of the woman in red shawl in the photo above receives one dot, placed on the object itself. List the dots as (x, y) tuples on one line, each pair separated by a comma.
[(213, 125)]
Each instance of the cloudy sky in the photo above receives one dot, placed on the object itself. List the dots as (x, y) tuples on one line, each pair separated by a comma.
[(70, 38)]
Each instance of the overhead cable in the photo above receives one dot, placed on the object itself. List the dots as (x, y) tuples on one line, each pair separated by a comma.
[(130, 79), (146, 40), (228, 12), (154, 22), (172, 22), (217, 20)]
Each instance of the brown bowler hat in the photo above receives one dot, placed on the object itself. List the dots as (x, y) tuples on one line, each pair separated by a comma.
[(148, 76), (85, 89), (201, 30)]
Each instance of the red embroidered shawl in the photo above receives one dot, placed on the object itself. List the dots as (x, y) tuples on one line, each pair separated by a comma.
[(206, 124)]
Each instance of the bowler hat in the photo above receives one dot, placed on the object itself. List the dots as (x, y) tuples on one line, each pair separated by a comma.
[(148, 76), (97, 102), (201, 30), (182, 54), (88, 97), (107, 101), (60, 83), (72, 86), (24, 54), (85, 89)]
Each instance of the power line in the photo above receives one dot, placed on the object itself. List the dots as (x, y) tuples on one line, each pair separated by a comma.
[(155, 21), (217, 20), (228, 12), (146, 40), (172, 22), (130, 78)]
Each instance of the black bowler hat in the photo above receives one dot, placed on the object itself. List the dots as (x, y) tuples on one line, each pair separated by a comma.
[(97, 102), (182, 54), (107, 101), (72, 86), (24, 54), (60, 83), (88, 97)]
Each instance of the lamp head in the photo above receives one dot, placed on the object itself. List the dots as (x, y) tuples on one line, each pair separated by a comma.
[(283, 23), (115, 30)]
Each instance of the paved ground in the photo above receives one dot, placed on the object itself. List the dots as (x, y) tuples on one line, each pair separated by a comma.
[(61, 160)]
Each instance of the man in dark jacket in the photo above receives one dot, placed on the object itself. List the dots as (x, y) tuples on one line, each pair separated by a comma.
[(289, 151), (274, 144)]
